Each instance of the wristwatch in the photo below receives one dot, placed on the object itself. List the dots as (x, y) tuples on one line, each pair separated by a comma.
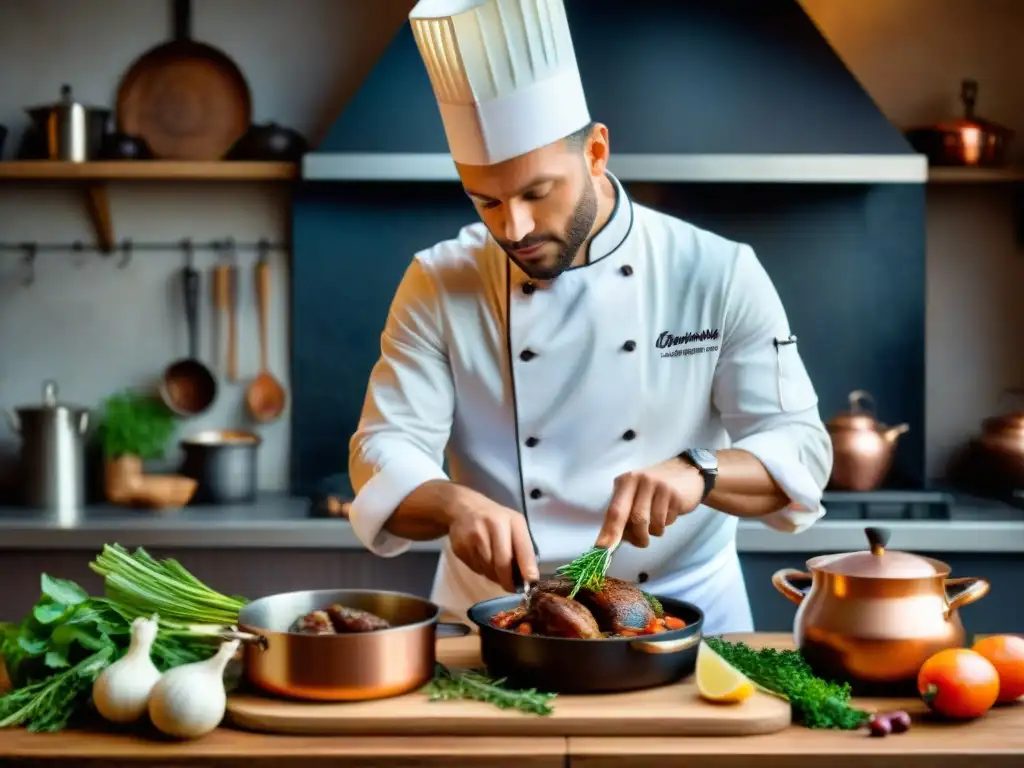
[(707, 463)]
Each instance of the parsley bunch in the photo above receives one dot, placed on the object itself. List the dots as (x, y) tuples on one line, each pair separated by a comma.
[(817, 703)]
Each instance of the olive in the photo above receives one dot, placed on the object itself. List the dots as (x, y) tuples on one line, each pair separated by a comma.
[(879, 725), (899, 721)]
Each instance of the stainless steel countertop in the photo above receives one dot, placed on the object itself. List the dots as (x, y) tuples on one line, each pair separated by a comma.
[(283, 522)]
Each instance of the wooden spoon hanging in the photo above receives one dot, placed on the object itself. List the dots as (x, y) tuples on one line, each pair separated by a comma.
[(266, 397)]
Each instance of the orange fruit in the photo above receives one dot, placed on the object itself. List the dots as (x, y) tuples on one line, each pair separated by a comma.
[(1006, 652), (958, 683)]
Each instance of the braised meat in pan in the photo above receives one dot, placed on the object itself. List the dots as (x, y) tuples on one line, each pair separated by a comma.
[(618, 609), (338, 620)]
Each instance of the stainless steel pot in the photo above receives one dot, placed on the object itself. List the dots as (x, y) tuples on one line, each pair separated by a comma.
[(72, 131), (224, 463), (53, 452)]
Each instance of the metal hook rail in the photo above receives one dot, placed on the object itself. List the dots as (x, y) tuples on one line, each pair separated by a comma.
[(228, 246)]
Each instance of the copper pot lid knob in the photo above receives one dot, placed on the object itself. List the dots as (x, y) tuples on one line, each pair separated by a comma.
[(878, 539)]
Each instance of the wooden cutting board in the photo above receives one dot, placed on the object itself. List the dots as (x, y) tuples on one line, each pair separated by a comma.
[(674, 710)]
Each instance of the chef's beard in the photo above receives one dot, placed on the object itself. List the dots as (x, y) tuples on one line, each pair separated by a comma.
[(576, 233)]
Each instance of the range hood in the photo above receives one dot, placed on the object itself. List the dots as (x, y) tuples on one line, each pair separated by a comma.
[(745, 91)]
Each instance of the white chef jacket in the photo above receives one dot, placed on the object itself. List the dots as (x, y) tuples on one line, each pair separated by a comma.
[(540, 393)]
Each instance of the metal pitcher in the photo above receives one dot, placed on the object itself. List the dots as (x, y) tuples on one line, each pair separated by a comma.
[(53, 452)]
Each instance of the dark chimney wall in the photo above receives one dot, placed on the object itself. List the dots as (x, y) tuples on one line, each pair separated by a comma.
[(848, 261), (667, 76)]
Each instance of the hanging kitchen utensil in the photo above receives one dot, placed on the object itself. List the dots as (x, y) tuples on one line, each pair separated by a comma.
[(69, 130), (225, 287), (862, 446), (53, 454), (186, 99), (266, 397), (189, 387), (969, 141), (873, 617)]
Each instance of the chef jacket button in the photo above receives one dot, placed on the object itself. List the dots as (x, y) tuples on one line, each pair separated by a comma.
[(535, 493), (531, 441), (629, 346), (529, 288), (629, 434), (527, 355), (642, 578), (626, 270)]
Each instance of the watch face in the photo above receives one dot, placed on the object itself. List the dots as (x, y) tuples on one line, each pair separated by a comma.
[(705, 459)]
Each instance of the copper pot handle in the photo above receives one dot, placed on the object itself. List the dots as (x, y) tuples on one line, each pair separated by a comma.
[(781, 580), (666, 646), (245, 638), (861, 401), (973, 589)]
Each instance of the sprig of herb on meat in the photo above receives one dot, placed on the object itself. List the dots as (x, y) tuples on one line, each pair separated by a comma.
[(817, 703), (474, 685), (588, 570)]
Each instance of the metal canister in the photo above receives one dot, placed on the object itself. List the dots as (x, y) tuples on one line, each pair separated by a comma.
[(73, 132), (53, 454)]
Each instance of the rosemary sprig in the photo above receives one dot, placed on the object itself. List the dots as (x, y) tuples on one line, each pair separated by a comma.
[(588, 570), (473, 685)]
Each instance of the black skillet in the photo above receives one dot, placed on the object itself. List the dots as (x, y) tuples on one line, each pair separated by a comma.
[(560, 665)]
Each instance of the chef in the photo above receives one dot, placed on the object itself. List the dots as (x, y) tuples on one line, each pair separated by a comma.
[(594, 371)]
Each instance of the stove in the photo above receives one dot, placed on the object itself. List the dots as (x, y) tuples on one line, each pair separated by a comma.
[(888, 505)]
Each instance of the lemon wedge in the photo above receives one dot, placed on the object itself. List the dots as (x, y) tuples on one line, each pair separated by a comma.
[(718, 680)]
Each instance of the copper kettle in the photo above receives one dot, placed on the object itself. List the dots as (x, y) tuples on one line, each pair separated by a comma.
[(872, 618), (862, 446)]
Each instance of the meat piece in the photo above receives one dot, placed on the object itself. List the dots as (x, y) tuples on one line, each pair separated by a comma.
[(619, 606), (347, 620), (558, 616), (314, 623), (509, 619)]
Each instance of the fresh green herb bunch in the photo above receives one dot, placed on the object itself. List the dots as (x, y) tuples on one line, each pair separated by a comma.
[(588, 570), (55, 654), (816, 702), (474, 685), (135, 424)]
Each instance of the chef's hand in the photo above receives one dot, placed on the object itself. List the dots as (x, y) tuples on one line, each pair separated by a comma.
[(489, 538), (647, 501)]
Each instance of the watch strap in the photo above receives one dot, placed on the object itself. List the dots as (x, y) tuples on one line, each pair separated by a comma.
[(709, 474)]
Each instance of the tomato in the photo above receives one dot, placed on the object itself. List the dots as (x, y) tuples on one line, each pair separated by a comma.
[(1006, 652), (958, 683)]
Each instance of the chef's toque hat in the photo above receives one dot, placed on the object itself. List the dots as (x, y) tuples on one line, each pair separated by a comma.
[(504, 74)]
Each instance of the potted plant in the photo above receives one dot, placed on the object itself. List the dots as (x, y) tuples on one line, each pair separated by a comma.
[(136, 427)]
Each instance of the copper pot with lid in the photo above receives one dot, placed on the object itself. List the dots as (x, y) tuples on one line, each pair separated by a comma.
[(872, 618), (862, 446), (968, 141)]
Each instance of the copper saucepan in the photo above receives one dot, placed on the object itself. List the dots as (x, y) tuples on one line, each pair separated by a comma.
[(343, 667)]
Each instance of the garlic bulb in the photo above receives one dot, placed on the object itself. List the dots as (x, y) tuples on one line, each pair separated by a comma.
[(190, 700), (121, 692)]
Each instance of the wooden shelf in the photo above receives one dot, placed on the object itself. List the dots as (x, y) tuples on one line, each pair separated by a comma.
[(153, 170), (975, 175), (95, 176)]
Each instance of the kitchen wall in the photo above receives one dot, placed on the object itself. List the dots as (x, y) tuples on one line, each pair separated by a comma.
[(95, 328)]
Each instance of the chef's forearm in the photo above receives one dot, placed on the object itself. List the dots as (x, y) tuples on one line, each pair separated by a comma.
[(424, 514), (744, 487)]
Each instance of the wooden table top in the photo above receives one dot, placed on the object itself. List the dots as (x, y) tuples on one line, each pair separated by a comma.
[(994, 741)]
